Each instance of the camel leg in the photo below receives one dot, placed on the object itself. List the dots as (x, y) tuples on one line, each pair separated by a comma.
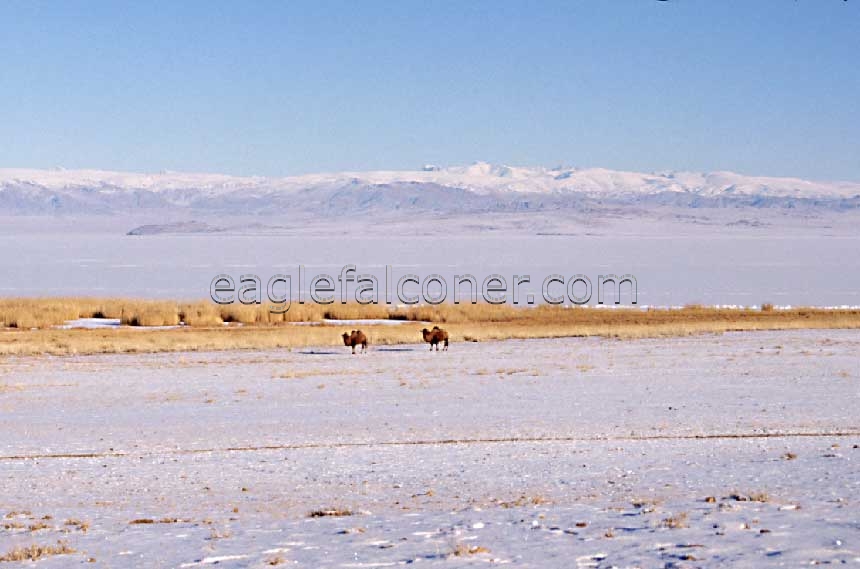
[(353, 350)]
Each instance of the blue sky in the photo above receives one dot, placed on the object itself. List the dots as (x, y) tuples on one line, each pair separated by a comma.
[(283, 88)]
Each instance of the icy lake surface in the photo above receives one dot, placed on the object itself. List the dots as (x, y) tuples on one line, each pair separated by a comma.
[(731, 450), (674, 263)]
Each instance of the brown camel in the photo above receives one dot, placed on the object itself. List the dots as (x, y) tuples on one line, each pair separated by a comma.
[(435, 336), (355, 338)]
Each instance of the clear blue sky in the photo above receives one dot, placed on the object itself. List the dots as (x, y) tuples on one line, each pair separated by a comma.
[(289, 87)]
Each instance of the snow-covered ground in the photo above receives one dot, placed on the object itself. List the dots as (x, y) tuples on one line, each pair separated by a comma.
[(731, 450), (104, 323), (90, 323)]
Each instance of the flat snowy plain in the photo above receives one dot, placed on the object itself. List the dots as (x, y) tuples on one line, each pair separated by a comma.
[(541, 453)]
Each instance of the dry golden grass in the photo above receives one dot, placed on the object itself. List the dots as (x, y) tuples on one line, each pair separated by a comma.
[(35, 552), (524, 501), (38, 526), (78, 524), (351, 531), (646, 504), (316, 372), (215, 534), (354, 311), (33, 313), (264, 330), (463, 550), (18, 514), (13, 525), (677, 521), (331, 512), (26, 313), (759, 497), (751, 497)]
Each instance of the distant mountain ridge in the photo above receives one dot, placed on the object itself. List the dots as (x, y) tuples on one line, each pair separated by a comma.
[(480, 187)]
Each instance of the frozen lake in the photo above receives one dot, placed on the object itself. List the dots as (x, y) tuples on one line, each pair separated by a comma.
[(542, 453), (673, 265)]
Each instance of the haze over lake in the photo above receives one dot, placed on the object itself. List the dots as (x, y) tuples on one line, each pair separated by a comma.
[(673, 263)]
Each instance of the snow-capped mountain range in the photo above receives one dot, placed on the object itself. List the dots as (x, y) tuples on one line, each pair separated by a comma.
[(466, 189)]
